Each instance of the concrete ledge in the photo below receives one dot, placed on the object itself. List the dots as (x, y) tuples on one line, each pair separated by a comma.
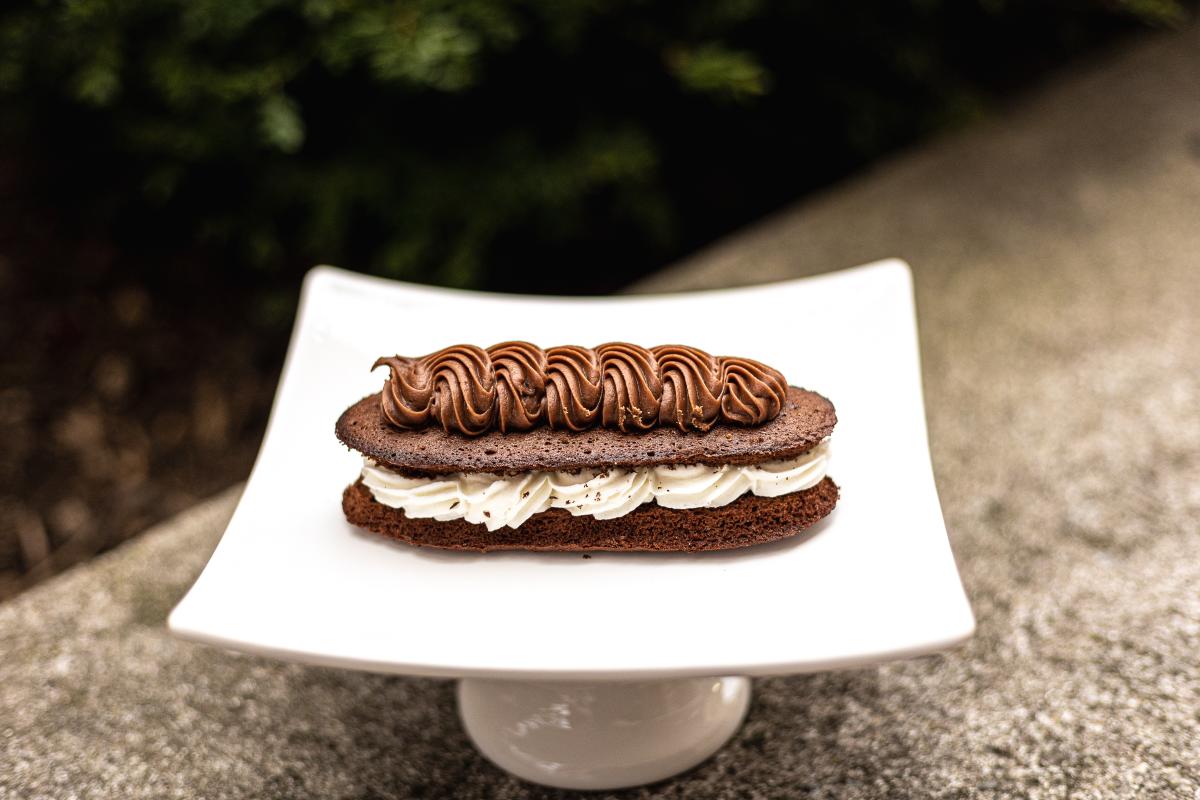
[(1057, 258)]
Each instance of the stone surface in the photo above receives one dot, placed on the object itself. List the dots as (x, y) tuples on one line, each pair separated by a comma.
[(1057, 261)]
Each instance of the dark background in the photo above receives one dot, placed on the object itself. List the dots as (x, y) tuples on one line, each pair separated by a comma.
[(169, 169)]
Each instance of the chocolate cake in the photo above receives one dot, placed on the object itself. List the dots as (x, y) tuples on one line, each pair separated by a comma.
[(619, 447)]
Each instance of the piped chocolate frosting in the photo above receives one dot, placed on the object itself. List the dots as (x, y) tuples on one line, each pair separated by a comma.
[(517, 386)]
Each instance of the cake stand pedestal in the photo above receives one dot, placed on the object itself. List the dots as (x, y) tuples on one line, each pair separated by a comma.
[(601, 734)]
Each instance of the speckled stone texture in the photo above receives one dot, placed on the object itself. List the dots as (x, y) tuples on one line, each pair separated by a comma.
[(1057, 258)]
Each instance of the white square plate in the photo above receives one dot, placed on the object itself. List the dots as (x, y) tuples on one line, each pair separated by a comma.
[(875, 580)]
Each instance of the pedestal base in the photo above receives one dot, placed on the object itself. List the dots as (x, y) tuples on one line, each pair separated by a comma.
[(602, 735)]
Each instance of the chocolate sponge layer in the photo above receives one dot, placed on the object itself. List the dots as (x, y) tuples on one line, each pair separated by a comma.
[(805, 420), (746, 521)]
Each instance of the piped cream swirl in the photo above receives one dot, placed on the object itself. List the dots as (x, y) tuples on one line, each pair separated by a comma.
[(496, 501)]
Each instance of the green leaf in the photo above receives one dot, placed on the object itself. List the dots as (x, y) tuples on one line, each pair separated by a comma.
[(717, 70), (1167, 13), (280, 123)]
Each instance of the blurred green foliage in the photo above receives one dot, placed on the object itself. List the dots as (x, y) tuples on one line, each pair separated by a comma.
[(493, 142)]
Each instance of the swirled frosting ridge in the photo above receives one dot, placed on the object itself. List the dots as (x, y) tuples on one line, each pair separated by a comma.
[(516, 386)]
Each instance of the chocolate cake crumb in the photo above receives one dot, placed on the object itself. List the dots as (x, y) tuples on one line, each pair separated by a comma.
[(749, 520), (805, 420)]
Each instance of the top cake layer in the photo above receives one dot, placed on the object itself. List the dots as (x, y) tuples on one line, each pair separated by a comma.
[(518, 386), (804, 419)]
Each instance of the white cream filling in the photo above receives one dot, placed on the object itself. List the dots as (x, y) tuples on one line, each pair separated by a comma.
[(498, 500)]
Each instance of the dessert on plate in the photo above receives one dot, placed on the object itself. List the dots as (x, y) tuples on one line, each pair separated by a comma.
[(618, 447)]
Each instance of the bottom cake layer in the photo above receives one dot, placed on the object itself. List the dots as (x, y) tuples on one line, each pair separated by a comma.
[(749, 520)]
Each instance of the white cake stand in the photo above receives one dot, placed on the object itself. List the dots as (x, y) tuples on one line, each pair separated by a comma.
[(601, 735), (605, 671)]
